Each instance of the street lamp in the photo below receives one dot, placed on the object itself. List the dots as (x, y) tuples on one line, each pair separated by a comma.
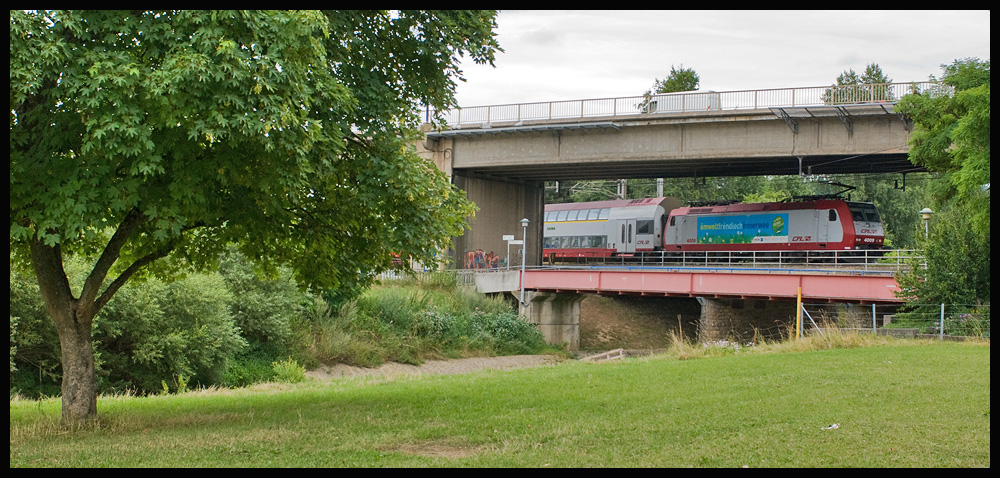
[(524, 241), (926, 214)]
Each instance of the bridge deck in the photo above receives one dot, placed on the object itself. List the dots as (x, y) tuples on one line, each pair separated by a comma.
[(746, 283)]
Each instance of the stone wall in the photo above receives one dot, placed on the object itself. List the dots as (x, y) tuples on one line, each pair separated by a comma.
[(744, 320)]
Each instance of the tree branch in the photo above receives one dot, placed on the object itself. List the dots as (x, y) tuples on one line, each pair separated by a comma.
[(122, 278), (129, 225), (52, 281)]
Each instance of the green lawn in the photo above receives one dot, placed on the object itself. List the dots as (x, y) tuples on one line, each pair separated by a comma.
[(899, 405)]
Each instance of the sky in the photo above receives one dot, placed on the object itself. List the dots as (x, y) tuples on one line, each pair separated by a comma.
[(570, 54)]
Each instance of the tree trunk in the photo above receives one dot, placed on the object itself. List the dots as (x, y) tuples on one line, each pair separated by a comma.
[(79, 378), (74, 317), (73, 320)]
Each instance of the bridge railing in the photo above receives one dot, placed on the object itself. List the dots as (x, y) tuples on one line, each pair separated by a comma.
[(853, 261), (631, 106), (874, 262)]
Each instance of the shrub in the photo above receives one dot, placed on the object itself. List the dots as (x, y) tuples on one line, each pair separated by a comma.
[(152, 332), (289, 371), (163, 330)]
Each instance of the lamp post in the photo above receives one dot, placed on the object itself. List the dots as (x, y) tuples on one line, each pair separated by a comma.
[(926, 214), (524, 241)]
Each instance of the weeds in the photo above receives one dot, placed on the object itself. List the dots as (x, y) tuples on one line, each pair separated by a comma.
[(687, 349), (413, 320)]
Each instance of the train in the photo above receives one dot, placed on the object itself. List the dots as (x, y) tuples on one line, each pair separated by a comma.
[(630, 227)]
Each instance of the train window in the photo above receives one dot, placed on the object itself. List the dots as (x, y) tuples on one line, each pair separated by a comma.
[(673, 221), (864, 212), (872, 213), (550, 216), (598, 241), (604, 213), (857, 214), (833, 215), (572, 215), (594, 214), (562, 215), (644, 227)]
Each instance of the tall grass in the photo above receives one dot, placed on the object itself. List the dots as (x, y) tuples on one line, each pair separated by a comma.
[(410, 321), (684, 348)]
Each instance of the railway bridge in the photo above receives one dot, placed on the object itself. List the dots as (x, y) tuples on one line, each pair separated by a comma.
[(739, 300)]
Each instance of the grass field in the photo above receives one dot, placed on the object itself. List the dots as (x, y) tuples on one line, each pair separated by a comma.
[(903, 404)]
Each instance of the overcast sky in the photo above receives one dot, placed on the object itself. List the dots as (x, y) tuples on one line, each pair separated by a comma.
[(562, 55)]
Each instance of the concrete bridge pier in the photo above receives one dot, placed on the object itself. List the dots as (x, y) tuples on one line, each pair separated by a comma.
[(502, 205), (744, 320), (557, 315)]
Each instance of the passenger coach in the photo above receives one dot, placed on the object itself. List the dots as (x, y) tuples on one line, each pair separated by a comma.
[(606, 228)]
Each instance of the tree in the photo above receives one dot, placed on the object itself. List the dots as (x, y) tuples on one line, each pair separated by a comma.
[(679, 79), (134, 135), (871, 86), (951, 135), (956, 265)]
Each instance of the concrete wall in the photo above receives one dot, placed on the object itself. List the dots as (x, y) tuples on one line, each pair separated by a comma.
[(502, 205)]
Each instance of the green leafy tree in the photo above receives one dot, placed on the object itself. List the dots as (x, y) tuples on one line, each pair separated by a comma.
[(952, 136), (955, 268), (141, 134), (870, 86), (679, 79)]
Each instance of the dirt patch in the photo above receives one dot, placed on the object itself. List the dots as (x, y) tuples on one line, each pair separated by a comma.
[(439, 450), (435, 367)]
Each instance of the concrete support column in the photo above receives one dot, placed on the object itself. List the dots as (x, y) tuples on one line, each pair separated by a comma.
[(744, 320), (556, 315), (502, 205)]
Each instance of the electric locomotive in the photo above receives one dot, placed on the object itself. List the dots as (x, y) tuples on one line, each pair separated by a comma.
[(806, 225)]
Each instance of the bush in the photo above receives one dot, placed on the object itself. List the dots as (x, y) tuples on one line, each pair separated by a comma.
[(411, 321), (288, 371), (156, 331), (35, 366), (264, 309), (152, 332)]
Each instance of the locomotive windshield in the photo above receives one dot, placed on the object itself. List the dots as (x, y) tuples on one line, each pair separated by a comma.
[(864, 212)]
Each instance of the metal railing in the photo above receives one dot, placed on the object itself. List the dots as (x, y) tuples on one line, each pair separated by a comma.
[(861, 262), (480, 116), (883, 262)]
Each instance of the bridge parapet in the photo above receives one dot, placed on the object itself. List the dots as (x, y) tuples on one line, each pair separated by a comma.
[(687, 102)]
